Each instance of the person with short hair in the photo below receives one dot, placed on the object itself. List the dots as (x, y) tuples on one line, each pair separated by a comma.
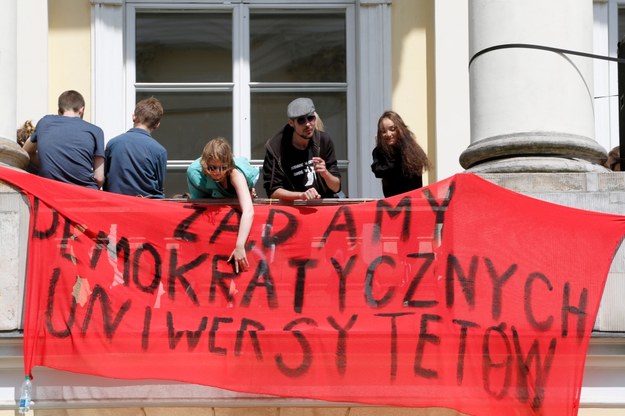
[(69, 149), (136, 163), (300, 161)]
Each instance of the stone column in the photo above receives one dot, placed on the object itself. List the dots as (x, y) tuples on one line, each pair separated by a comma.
[(13, 207), (531, 110), (10, 152)]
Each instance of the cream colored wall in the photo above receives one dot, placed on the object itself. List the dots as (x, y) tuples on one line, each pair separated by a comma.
[(69, 50), (413, 70)]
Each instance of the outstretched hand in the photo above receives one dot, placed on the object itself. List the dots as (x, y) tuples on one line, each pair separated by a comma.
[(239, 259)]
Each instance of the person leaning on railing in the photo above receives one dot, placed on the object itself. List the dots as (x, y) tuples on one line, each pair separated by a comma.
[(300, 161), (69, 149), (218, 174)]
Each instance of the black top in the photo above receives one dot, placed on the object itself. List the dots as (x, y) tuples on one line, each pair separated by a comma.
[(389, 169), (292, 169)]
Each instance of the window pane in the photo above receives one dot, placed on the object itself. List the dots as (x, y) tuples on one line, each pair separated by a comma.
[(190, 120), (297, 46), (269, 116), (184, 47), (176, 183)]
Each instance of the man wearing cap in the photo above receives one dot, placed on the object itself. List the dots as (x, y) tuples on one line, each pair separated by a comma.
[(300, 162)]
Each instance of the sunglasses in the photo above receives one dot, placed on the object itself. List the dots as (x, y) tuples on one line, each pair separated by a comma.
[(306, 119), (216, 168)]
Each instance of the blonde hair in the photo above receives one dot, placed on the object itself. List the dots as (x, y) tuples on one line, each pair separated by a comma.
[(217, 149), (320, 126), (24, 132)]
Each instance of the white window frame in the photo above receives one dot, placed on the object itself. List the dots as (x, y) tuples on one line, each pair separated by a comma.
[(605, 35), (368, 78), (132, 86)]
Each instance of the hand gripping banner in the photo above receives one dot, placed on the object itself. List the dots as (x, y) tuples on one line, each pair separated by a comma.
[(461, 295)]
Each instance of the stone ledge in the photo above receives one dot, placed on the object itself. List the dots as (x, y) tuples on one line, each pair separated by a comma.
[(11, 154)]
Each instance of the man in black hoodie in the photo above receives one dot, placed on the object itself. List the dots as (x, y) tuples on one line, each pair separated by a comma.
[(300, 162)]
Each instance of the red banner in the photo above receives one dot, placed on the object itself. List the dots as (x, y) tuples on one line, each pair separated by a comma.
[(461, 295)]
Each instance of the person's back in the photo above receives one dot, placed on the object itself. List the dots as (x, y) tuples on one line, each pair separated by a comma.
[(69, 149), (66, 146), (136, 163)]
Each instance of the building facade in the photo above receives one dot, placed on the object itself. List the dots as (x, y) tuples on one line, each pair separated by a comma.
[(228, 68)]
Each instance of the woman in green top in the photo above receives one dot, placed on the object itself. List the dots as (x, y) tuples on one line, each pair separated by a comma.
[(218, 174)]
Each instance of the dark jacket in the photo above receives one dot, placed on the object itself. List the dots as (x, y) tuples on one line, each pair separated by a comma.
[(390, 170), (274, 175)]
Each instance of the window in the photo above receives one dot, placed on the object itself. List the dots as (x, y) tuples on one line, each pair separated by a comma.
[(229, 68), (231, 71)]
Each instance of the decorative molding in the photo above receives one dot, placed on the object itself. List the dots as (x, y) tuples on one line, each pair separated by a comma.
[(374, 2), (108, 2)]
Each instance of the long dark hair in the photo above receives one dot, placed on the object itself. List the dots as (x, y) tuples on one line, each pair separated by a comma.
[(413, 158)]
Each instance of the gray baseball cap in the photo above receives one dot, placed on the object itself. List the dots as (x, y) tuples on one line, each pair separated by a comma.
[(300, 107)]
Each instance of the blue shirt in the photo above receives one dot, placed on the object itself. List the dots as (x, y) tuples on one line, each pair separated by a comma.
[(135, 165), (67, 147)]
